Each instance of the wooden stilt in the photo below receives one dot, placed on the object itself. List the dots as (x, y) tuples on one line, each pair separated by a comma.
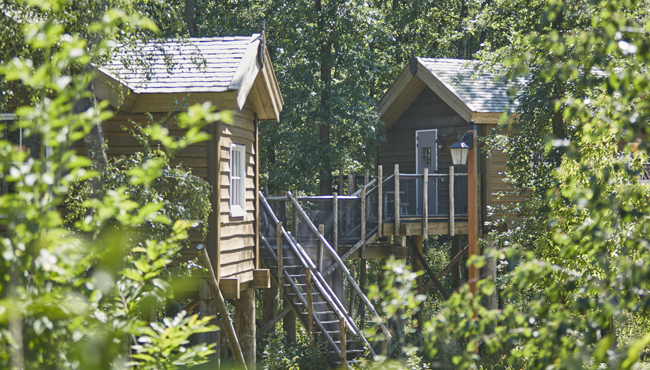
[(278, 238), (344, 344), (397, 221), (310, 304), (223, 311), (363, 222), (335, 209), (380, 200), (351, 306), (341, 181), (425, 203), (418, 242), (245, 308), (289, 323), (269, 305), (362, 287), (452, 205), (208, 307), (472, 205), (321, 250)]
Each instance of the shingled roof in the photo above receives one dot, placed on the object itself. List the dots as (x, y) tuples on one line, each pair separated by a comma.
[(482, 91), (190, 65), (473, 93), (157, 76)]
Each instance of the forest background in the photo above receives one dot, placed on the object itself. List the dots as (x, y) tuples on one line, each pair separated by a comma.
[(573, 270)]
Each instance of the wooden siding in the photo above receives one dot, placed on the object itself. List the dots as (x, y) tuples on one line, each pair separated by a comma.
[(237, 234), (426, 112)]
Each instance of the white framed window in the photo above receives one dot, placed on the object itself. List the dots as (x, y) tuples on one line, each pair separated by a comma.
[(237, 180)]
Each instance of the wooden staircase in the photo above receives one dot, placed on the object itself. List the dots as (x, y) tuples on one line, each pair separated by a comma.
[(303, 284)]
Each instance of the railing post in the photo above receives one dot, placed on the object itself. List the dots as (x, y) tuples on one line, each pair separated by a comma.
[(363, 222), (294, 221), (380, 200), (321, 247), (335, 205), (278, 237), (344, 344), (351, 308), (310, 304), (366, 178), (425, 204), (397, 222), (452, 210)]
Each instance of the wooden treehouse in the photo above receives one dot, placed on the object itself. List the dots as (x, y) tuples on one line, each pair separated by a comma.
[(416, 192), (233, 73)]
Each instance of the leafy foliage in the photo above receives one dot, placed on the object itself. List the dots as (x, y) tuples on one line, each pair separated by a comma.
[(77, 300), (177, 193)]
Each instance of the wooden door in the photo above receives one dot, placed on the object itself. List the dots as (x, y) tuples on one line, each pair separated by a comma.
[(426, 156)]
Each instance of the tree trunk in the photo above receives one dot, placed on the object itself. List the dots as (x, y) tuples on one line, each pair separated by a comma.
[(289, 324), (462, 42), (190, 18), (208, 307), (326, 79)]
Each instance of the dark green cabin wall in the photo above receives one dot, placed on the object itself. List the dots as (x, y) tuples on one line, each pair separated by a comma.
[(426, 112)]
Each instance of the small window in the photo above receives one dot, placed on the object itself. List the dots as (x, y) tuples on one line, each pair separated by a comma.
[(237, 180)]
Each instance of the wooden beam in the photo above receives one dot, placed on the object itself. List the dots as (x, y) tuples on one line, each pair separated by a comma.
[(472, 205), (344, 344), (351, 306), (310, 304), (397, 221), (229, 288), (278, 238), (383, 251), (452, 205), (226, 324), (435, 228), (363, 222), (192, 305), (261, 279), (335, 206), (425, 203), (445, 269), (433, 277), (270, 324), (321, 250), (380, 200), (246, 326)]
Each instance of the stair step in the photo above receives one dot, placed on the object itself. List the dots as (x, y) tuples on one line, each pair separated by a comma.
[(350, 351), (347, 341), (329, 322), (349, 362)]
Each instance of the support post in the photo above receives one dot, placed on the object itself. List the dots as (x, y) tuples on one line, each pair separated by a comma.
[(363, 222), (418, 242), (321, 250), (452, 206), (351, 307), (397, 222), (289, 323), (344, 344), (425, 203), (223, 311), (310, 304), (245, 306), (341, 182), (335, 206), (269, 303), (472, 203), (380, 200), (208, 307), (278, 238), (348, 209), (362, 287), (294, 221), (455, 268)]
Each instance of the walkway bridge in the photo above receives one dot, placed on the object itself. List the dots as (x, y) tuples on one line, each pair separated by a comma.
[(302, 256)]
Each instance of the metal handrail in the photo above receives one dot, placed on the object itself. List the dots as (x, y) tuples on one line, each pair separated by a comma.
[(302, 255), (302, 300), (337, 258)]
